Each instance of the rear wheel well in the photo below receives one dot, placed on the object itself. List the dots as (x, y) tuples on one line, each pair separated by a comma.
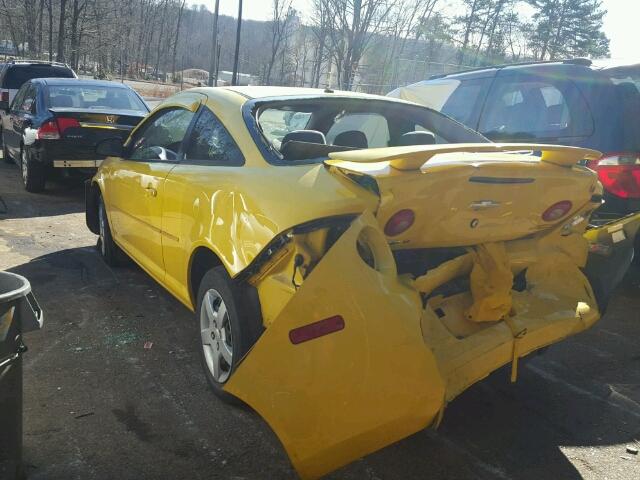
[(202, 260)]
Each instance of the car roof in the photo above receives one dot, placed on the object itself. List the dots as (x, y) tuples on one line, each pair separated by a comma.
[(579, 63), (78, 81), (253, 92)]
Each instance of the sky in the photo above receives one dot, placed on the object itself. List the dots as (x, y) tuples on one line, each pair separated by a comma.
[(620, 22)]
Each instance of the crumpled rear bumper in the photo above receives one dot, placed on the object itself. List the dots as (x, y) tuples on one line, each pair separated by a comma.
[(395, 362)]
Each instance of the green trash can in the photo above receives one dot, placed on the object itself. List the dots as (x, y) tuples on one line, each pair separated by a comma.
[(19, 313)]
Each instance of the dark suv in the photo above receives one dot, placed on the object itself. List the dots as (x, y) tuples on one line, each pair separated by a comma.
[(16, 72), (574, 102)]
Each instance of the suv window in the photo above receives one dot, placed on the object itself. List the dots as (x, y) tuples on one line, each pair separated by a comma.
[(463, 101), (16, 75), (535, 108), (211, 143), (160, 138)]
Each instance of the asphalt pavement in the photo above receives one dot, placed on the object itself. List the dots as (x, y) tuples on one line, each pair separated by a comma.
[(99, 405)]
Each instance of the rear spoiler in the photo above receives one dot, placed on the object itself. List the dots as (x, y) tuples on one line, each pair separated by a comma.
[(413, 157)]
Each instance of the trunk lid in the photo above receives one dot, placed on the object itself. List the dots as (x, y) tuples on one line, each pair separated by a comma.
[(82, 129), (471, 194)]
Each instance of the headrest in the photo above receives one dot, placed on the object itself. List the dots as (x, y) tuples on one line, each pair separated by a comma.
[(352, 138), (417, 138), (307, 136)]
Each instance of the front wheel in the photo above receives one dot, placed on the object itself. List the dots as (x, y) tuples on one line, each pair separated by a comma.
[(33, 176), (110, 252), (229, 323)]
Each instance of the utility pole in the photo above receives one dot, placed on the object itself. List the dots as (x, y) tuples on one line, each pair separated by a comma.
[(234, 78), (213, 70)]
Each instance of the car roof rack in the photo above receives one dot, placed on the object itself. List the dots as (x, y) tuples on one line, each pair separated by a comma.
[(42, 62), (585, 62)]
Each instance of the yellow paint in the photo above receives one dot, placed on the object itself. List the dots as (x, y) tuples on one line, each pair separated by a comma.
[(491, 282), (405, 351)]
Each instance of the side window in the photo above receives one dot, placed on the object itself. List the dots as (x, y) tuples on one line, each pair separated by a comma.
[(526, 108), (211, 143), (18, 99), (29, 101), (160, 138), (462, 104)]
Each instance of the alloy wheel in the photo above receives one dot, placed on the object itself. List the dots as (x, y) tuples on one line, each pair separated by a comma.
[(215, 332)]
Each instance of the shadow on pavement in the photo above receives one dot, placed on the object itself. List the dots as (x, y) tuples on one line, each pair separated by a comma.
[(100, 405), (61, 197)]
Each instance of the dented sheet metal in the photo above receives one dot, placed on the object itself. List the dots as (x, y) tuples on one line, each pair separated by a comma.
[(491, 283), (336, 398)]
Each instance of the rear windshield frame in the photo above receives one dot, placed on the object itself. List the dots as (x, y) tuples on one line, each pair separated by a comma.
[(251, 108), (81, 84)]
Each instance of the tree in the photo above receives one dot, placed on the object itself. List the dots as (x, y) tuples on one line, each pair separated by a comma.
[(61, 30), (282, 16), (351, 26), (567, 28)]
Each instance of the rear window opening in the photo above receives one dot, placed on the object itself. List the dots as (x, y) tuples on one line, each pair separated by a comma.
[(93, 97), (312, 128), (16, 75)]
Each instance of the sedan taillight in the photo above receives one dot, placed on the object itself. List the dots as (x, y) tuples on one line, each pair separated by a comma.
[(619, 173), (53, 129)]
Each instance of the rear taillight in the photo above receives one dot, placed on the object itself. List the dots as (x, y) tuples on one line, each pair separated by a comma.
[(48, 131), (400, 222), (316, 329), (619, 174), (55, 128), (557, 211), (5, 96)]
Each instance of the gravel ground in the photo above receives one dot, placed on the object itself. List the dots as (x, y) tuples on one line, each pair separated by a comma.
[(101, 406)]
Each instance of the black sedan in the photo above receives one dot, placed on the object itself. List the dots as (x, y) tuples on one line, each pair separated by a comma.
[(54, 124)]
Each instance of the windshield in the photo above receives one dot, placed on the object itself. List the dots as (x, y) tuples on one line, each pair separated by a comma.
[(94, 97), (311, 128), (18, 74)]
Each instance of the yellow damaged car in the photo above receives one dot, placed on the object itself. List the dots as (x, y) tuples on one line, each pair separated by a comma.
[(354, 262)]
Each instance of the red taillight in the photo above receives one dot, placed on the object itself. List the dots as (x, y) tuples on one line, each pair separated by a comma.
[(64, 123), (5, 96), (619, 174), (54, 129), (48, 131), (400, 222), (557, 211), (316, 329)]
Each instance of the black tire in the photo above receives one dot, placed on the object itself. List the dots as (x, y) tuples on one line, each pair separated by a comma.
[(243, 321), (5, 153), (33, 173), (110, 252)]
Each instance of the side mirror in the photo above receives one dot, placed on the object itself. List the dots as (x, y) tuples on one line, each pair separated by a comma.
[(110, 147), (4, 105)]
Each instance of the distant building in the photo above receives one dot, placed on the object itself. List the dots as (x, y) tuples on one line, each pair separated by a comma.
[(7, 48)]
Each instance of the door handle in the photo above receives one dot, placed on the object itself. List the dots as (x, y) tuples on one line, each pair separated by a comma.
[(151, 192)]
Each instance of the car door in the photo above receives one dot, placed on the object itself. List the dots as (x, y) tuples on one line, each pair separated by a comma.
[(135, 184), (211, 158), (18, 118)]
